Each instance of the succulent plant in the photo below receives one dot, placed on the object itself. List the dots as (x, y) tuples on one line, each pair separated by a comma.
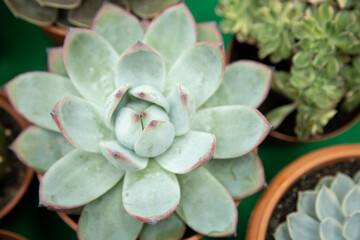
[(330, 211), (322, 40), (80, 13), (137, 115)]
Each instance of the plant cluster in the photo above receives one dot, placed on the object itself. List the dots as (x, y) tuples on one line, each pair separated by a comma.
[(137, 114), (322, 40), (79, 13), (330, 211)]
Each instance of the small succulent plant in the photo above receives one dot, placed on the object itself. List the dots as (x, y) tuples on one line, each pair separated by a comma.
[(322, 40), (80, 13), (137, 115), (330, 211)]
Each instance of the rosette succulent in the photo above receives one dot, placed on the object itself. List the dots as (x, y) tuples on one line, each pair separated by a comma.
[(314, 46), (137, 114), (330, 211)]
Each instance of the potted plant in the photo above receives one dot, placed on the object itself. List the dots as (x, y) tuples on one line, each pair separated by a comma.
[(314, 47), (297, 185), (55, 17), (14, 177), (136, 117)]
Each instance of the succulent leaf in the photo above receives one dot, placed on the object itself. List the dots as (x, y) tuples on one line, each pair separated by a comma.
[(351, 202), (357, 178), (33, 104), (106, 218), (171, 228), (282, 232), (153, 112), (211, 211), (208, 32), (341, 185), (55, 61), (40, 148), (245, 83), (330, 230), (76, 179), (152, 194), (149, 9), (200, 68), (188, 152), (141, 65), (278, 115), (324, 181), (68, 4), (306, 203), (81, 123), (113, 23), (351, 227), (150, 94), (90, 60), (301, 227), (231, 125), (242, 176), (122, 157), (327, 205), (182, 109), (83, 15), (161, 35)]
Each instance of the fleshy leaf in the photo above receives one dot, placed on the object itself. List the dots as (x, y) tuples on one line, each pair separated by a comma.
[(55, 61), (245, 83), (106, 218), (327, 205), (282, 232), (357, 177), (209, 32), (301, 227), (160, 33), (81, 123), (171, 228), (127, 127), (341, 185), (152, 194), (200, 68), (138, 106), (150, 94), (76, 179), (324, 181), (148, 9), (68, 4), (141, 65), (330, 230), (114, 23), (306, 203), (36, 105), (153, 112), (351, 201), (112, 102), (122, 157), (277, 115), (40, 148), (182, 109), (242, 176), (238, 129), (90, 62), (155, 139), (351, 227), (188, 152), (205, 205)]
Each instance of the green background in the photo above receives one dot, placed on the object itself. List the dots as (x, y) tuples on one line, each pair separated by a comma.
[(23, 48)]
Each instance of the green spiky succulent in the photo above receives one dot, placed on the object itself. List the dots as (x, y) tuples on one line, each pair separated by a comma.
[(137, 115), (79, 13), (330, 211), (322, 39)]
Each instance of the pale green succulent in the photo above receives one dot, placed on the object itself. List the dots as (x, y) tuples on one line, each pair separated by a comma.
[(80, 13), (331, 211), (322, 40), (135, 121)]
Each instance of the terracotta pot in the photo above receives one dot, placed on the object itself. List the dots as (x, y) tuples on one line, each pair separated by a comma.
[(318, 159), (7, 235), (56, 34), (233, 54), (4, 104)]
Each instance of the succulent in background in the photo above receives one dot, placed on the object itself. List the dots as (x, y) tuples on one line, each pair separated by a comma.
[(330, 211), (322, 40), (137, 117), (80, 13)]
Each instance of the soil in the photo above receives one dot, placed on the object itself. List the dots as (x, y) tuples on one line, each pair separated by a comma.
[(287, 203), (245, 51), (15, 172)]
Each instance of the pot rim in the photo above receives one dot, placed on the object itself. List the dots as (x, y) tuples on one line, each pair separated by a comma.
[(10, 235), (55, 30), (262, 212), (5, 104)]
